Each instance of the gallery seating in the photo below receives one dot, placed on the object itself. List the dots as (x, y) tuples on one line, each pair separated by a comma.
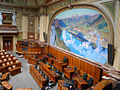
[(9, 63)]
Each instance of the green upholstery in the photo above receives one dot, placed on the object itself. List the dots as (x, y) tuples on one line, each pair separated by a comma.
[(75, 69), (48, 54), (73, 81), (44, 75), (90, 82), (51, 55), (36, 57), (85, 76), (43, 59), (41, 72), (47, 79), (55, 57), (64, 59)]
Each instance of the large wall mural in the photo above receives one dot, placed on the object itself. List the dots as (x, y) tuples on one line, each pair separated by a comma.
[(83, 32)]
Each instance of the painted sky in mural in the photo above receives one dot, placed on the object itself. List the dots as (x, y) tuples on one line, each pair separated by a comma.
[(83, 32)]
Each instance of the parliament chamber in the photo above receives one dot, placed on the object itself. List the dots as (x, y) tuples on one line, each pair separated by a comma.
[(59, 45)]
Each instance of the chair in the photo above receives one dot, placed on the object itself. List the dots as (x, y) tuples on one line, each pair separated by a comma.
[(36, 66), (48, 54), (43, 59), (16, 61), (85, 76), (39, 70), (47, 79), (64, 59), (51, 55), (75, 69), (13, 66), (90, 82), (60, 74), (43, 74)]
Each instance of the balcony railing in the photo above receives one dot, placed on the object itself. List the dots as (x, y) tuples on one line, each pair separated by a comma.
[(8, 29)]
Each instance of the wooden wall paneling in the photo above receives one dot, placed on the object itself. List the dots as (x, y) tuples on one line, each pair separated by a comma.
[(86, 69), (90, 70), (79, 65), (82, 66)]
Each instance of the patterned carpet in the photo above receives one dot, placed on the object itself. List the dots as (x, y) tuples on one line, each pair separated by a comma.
[(24, 79)]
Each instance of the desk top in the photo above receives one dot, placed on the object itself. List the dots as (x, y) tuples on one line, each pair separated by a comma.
[(4, 76), (61, 84), (69, 69), (6, 85), (80, 80), (102, 84)]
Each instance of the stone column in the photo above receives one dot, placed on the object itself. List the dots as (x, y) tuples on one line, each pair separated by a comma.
[(47, 24), (25, 26), (117, 43), (43, 23), (14, 42), (1, 42), (36, 27)]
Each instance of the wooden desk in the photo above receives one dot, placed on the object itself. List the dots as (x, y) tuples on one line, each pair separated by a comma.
[(32, 60), (24, 89), (68, 72), (81, 83), (15, 71), (50, 60), (5, 76), (53, 76), (102, 84), (61, 85), (6, 85), (41, 81), (59, 65)]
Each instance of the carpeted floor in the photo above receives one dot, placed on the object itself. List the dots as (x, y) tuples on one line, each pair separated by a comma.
[(24, 79)]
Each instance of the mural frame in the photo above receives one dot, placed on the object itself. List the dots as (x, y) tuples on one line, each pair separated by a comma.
[(86, 6)]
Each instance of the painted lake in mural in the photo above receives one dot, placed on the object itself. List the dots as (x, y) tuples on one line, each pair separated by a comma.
[(83, 32)]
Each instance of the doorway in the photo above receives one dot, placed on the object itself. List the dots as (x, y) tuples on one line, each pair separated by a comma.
[(8, 43)]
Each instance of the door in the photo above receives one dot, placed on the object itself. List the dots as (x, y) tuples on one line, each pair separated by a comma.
[(8, 43)]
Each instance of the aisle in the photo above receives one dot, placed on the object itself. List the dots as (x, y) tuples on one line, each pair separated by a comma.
[(23, 79)]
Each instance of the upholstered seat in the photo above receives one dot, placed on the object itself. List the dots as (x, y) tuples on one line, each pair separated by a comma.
[(5, 59), (9, 59), (3, 64), (3, 56), (8, 63)]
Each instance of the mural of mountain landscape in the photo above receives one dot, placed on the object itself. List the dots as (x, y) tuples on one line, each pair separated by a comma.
[(83, 32)]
